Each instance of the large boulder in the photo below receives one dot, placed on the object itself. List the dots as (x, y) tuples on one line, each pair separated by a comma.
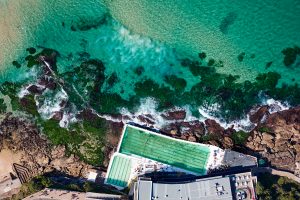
[(35, 89), (213, 127), (259, 114)]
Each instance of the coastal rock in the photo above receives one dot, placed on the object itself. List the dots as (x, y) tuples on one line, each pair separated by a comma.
[(192, 138), (213, 142), (86, 114), (278, 139), (213, 127), (258, 115), (171, 129), (58, 152), (38, 155), (195, 128), (174, 115), (145, 120), (227, 143), (185, 129), (42, 159), (35, 89), (47, 82), (51, 85)]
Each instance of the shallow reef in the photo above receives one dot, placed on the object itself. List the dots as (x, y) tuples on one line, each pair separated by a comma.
[(88, 87)]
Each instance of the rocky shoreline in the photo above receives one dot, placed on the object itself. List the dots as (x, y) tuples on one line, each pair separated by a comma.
[(275, 138), (37, 154)]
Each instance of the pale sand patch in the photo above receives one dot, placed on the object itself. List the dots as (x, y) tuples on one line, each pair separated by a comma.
[(10, 36), (17, 21), (7, 158)]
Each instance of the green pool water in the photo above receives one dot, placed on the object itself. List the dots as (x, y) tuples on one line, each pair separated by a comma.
[(119, 171), (181, 154)]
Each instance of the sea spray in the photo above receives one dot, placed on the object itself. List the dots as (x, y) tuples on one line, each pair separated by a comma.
[(69, 117), (50, 103), (148, 106), (244, 123), (276, 106)]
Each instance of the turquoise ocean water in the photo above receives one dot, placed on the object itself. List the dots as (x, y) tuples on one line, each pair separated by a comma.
[(153, 34)]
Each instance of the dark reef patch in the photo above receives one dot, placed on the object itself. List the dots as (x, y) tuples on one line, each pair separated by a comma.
[(211, 62), (31, 50), (290, 55), (85, 24), (202, 55), (112, 80), (268, 64), (177, 83), (241, 56), (227, 22), (16, 64), (139, 70), (88, 87)]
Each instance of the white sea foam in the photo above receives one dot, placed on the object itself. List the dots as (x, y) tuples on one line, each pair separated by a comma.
[(23, 92), (244, 123), (148, 106), (275, 106), (68, 118), (51, 103)]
